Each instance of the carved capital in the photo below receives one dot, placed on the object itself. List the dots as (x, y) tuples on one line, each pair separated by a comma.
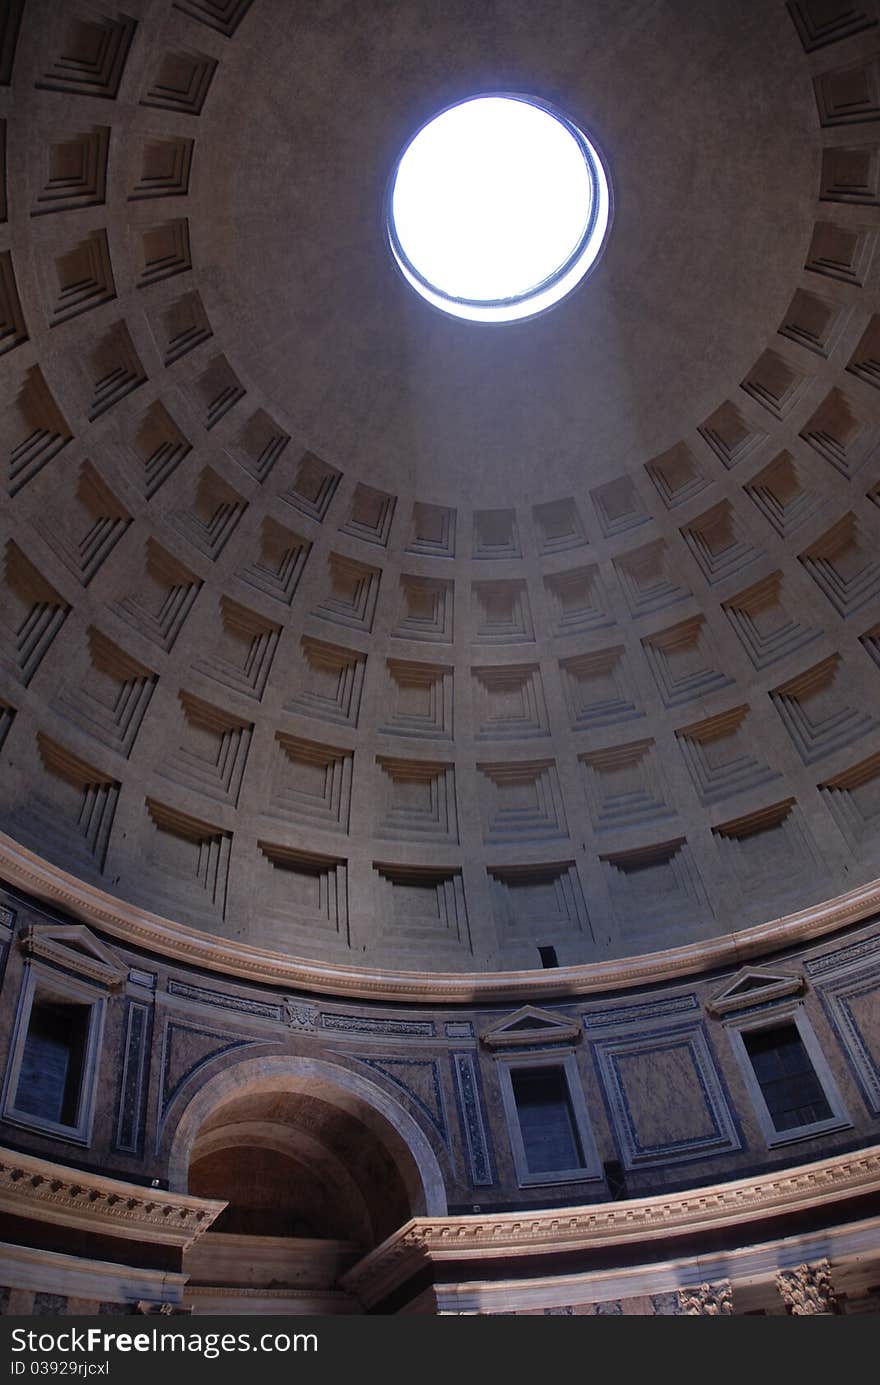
[(706, 1300), (807, 1288), (173, 1310)]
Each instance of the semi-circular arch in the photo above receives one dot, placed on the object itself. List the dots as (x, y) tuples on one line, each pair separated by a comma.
[(405, 1141)]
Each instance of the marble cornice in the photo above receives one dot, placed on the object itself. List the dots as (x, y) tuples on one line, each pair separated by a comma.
[(430, 1240), (138, 927), (36, 1189)]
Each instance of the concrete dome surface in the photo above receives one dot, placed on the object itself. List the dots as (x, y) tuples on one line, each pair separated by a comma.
[(339, 628)]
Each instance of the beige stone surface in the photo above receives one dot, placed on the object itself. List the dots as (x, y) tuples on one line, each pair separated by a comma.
[(339, 627)]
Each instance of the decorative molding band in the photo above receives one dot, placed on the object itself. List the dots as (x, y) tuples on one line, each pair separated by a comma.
[(41, 1191), (586, 1229), (605, 1291), (142, 929)]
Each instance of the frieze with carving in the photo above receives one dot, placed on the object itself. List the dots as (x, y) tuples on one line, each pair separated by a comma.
[(300, 1016), (599, 1224), (34, 1188)]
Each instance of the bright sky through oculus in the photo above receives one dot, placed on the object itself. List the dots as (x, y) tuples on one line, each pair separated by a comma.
[(497, 209)]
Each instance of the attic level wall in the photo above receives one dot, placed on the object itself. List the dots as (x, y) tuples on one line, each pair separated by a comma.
[(667, 1099)]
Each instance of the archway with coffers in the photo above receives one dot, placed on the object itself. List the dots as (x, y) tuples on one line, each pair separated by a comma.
[(317, 1166)]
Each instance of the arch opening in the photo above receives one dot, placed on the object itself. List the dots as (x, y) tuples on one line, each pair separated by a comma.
[(317, 1165)]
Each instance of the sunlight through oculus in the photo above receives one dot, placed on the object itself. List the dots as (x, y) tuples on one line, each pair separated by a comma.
[(498, 207)]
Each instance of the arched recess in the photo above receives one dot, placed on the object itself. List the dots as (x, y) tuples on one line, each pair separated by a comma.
[(347, 1093)]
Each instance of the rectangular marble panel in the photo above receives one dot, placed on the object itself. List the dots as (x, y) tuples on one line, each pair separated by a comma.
[(665, 1097)]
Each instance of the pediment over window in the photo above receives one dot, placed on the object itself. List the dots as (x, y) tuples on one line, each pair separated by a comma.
[(754, 986), (74, 947), (529, 1025)]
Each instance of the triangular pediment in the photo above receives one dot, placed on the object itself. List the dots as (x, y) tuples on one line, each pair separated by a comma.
[(754, 986), (529, 1025), (75, 947)]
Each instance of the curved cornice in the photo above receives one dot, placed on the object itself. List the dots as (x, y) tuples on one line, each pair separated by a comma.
[(37, 1189), (507, 1235), (139, 928)]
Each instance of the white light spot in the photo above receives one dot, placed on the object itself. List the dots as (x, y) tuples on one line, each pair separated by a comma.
[(498, 208)]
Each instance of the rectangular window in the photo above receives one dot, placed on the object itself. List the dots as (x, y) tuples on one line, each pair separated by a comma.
[(52, 1072), (50, 1076), (787, 1078), (546, 1120), (550, 1136)]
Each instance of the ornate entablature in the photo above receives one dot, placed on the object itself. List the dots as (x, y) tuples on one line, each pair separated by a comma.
[(36, 1189), (467, 1240)]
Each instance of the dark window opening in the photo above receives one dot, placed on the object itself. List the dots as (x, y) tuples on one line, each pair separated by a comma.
[(548, 956), (51, 1070), (614, 1177), (787, 1079), (546, 1120)]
